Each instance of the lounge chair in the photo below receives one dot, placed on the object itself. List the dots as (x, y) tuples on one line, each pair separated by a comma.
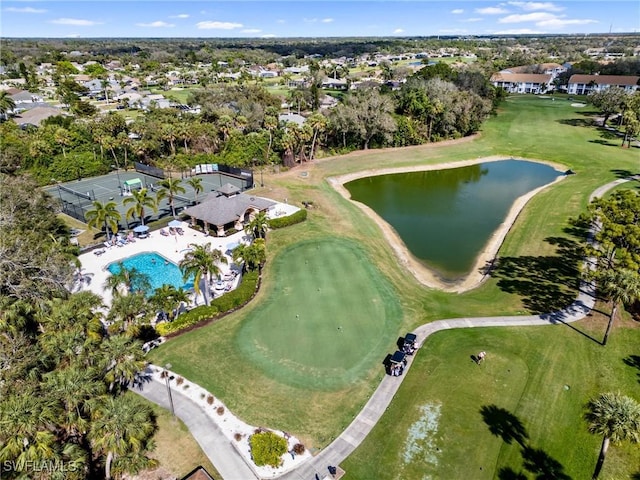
[(99, 252), (163, 232)]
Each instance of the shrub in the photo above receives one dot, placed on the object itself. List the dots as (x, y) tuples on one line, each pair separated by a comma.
[(220, 410), (210, 399), (226, 302), (237, 436), (179, 380), (299, 216), (267, 448), (298, 449)]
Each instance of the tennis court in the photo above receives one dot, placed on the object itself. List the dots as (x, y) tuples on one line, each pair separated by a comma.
[(77, 196)]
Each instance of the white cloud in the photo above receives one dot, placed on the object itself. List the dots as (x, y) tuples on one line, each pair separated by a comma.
[(268, 35), (491, 11), (24, 10), (471, 20), (75, 21), (529, 6), (457, 11), (327, 20), (561, 22), (527, 17), (211, 25), (180, 15), (251, 30), (398, 30), (156, 24), (519, 31), (73, 35), (280, 20), (309, 20)]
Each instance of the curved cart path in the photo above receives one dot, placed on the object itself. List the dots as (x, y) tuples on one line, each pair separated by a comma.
[(364, 422)]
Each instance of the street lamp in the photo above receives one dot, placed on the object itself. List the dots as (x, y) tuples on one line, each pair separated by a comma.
[(118, 175), (166, 379)]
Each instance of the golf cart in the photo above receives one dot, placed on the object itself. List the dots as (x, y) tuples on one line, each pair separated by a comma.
[(397, 363), (409, 345)]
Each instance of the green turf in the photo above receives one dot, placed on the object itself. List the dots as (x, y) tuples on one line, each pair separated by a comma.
[(327, 318), (535, 377), (527, 127)]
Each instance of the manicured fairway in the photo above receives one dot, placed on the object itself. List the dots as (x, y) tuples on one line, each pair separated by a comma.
[(534, 381), (326, 318)]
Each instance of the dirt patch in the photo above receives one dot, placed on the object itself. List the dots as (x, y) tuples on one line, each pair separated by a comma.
[(420, 442), (422, 273)]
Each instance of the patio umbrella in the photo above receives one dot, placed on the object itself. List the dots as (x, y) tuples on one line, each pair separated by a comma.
[(175, 223), (141, 229)]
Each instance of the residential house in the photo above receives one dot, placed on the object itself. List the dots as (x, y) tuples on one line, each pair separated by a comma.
[(291, 117), (585, 84), (36, 115), (20, 97), (553, 69), (523, 82)]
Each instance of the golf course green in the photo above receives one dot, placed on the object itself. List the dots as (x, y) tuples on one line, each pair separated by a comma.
[(326, 318)]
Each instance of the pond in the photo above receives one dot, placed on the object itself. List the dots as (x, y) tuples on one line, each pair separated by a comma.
[(446, 217)]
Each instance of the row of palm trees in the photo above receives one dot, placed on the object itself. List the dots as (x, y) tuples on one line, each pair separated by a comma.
[(106, 215)]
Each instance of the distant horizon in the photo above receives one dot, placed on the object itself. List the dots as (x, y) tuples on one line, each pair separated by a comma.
[(267, 19)]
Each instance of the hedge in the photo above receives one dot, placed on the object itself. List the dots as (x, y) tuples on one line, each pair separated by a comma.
[(219, 306), (299, 216), (267, 448)]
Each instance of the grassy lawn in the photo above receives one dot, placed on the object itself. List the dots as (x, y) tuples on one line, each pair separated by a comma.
[(314, 330), (175, 449), (531, 389), (538, 249)]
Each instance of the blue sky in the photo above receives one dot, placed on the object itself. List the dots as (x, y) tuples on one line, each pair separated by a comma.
[(308, 18)]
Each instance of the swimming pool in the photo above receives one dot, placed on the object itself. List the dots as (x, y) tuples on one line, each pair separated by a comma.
[(159, 270)]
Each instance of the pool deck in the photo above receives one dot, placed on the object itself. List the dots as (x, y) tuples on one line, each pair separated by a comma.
[(172, 247)]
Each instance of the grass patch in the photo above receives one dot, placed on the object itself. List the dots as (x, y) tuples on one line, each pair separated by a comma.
[(527, 127), (326, 321), (529, 392), (175, 449)]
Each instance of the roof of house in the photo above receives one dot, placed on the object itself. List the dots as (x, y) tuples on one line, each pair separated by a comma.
[(228, 189), (606, 79), (521, 77), (37, 115), (531, 68), (219, 210), (198, 473), (292, 117)]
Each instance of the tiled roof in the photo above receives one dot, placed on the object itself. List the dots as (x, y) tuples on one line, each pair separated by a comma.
[(605, 79), (220, 210), (521, 77)]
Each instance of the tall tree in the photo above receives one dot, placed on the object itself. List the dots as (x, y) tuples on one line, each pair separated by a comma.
[(140, 201), (201, 263), (131, 280), (196, 184), (7, 104), (253, 255), (608, 101), (620, 286), (120, 426), (617, 418), (106, 214), (258, 225), (170, 187)]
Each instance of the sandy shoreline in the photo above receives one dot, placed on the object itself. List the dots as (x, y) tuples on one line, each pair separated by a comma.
[(422, 273)]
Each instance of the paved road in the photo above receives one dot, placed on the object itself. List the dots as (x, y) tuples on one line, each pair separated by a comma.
[(218, 449), (214, 444)]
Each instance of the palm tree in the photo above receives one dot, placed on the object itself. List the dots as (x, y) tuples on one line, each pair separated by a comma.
[(258, 225), (140, 201), (131, 279), (619, 286), (170, 188), (7, 103), (103, 213), (121, 360), (196, 184), (253, 255), (125, 309), (201, 263), (318, 123), (617, 418), (168, 299), (121, 426)]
